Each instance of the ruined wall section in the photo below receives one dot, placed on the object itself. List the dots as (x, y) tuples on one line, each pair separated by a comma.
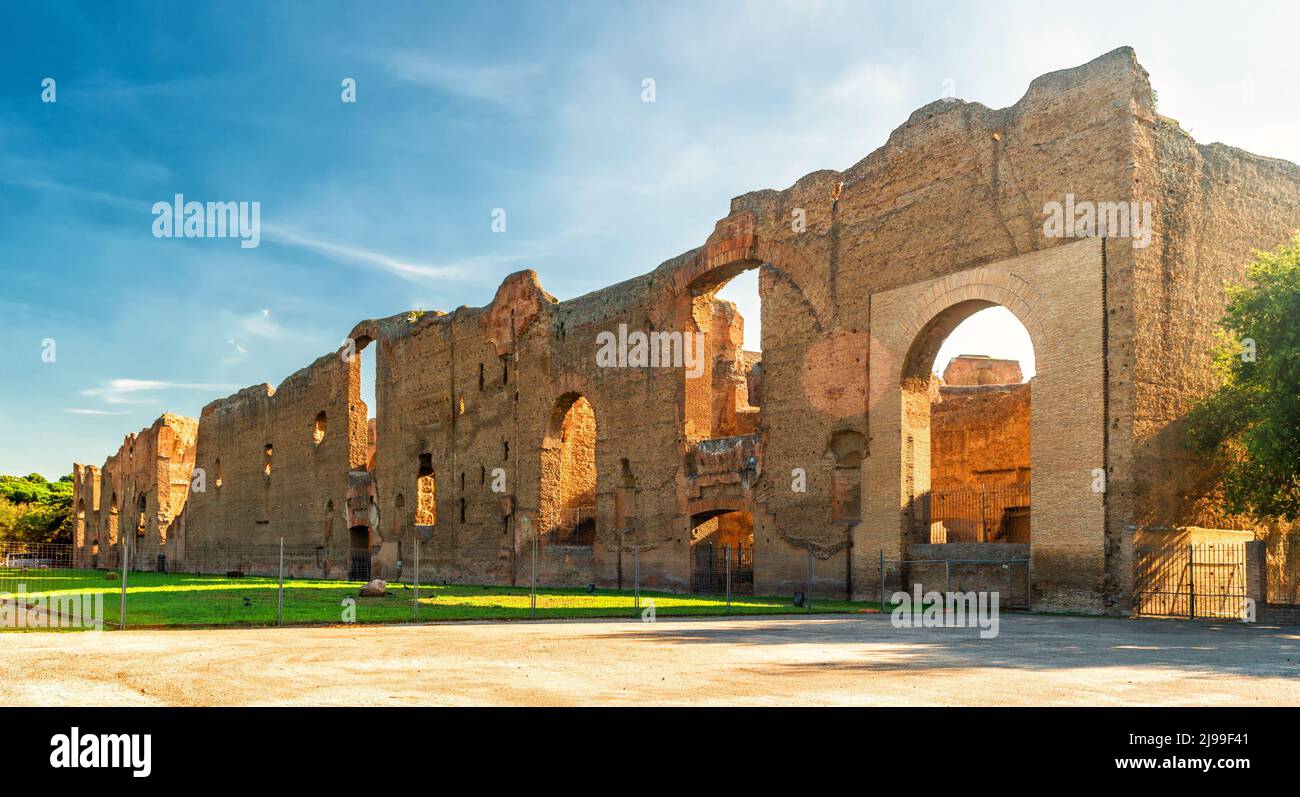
[(85, 507), (303, 497), (1213, 205), (731, 366), (140, 490), (639, 419), (979, 436), (957, 186)]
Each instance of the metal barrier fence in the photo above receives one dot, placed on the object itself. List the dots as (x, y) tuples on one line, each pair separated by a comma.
[(1010, 579), (35, 581), (722, 569), (1206, 580), (135, 584), (995, 513)]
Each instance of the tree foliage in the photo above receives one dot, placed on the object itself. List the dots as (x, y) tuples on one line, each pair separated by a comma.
[(33, 509), (1251, 424)]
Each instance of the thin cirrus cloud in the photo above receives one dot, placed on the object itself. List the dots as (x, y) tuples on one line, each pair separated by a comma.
[(339, 252), (342, 252), (508, 85), (142, 391)]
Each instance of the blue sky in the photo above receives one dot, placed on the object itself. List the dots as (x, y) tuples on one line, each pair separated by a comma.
[(385, 205)]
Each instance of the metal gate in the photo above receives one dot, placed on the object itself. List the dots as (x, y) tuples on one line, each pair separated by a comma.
[(714, 568), (1207, 580), (359, 566)]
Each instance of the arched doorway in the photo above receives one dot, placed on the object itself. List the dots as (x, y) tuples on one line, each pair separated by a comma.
[(359, 553), (722, 369), (1058, 296), (722, 551), (567, 510), (967, 385)]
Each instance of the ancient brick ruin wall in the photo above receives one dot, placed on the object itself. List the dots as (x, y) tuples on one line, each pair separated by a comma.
[(979, 425), (140, 490), (1212, 205), (953, 201), (979, 436), (967, 369), (303, 497)]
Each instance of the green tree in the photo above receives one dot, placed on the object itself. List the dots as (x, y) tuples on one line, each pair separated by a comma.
[(1251, 424), (33, 509)]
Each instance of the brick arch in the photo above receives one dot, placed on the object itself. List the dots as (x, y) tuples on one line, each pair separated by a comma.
[(567, 383), (958, 296), (720, 505), (735, 247)]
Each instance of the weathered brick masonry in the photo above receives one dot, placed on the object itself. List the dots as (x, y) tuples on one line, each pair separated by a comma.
[(943, 220)]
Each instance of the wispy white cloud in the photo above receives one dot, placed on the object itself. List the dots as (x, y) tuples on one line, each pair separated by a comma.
[(239, 353), (79, 411), (261, 325), (360, 256), (140, 391), (43, 184), (339, 252), (509, 85)]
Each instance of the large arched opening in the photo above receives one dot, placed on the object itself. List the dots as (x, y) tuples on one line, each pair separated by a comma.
[(1058, 295), (367, 388), (722, 551), (721, 362), (966, 387), (567, 510)]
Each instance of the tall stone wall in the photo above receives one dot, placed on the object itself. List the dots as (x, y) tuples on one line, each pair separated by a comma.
[(267, 475)]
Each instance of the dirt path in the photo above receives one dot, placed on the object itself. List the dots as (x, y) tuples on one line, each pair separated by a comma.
[(859, 660)]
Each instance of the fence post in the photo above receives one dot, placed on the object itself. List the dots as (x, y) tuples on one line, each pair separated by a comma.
[(947, 586), (807, 590), (980, 528), (882, 579), (636, 570), (415, 604), (727, 550), (121, 612), (532, 603), (1029, 583), (1191, 581), (279, 609)]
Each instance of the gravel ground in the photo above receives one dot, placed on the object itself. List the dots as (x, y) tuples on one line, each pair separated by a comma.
[(850, 660)]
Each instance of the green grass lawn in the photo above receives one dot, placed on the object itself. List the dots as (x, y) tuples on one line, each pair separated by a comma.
[(158, 600)]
